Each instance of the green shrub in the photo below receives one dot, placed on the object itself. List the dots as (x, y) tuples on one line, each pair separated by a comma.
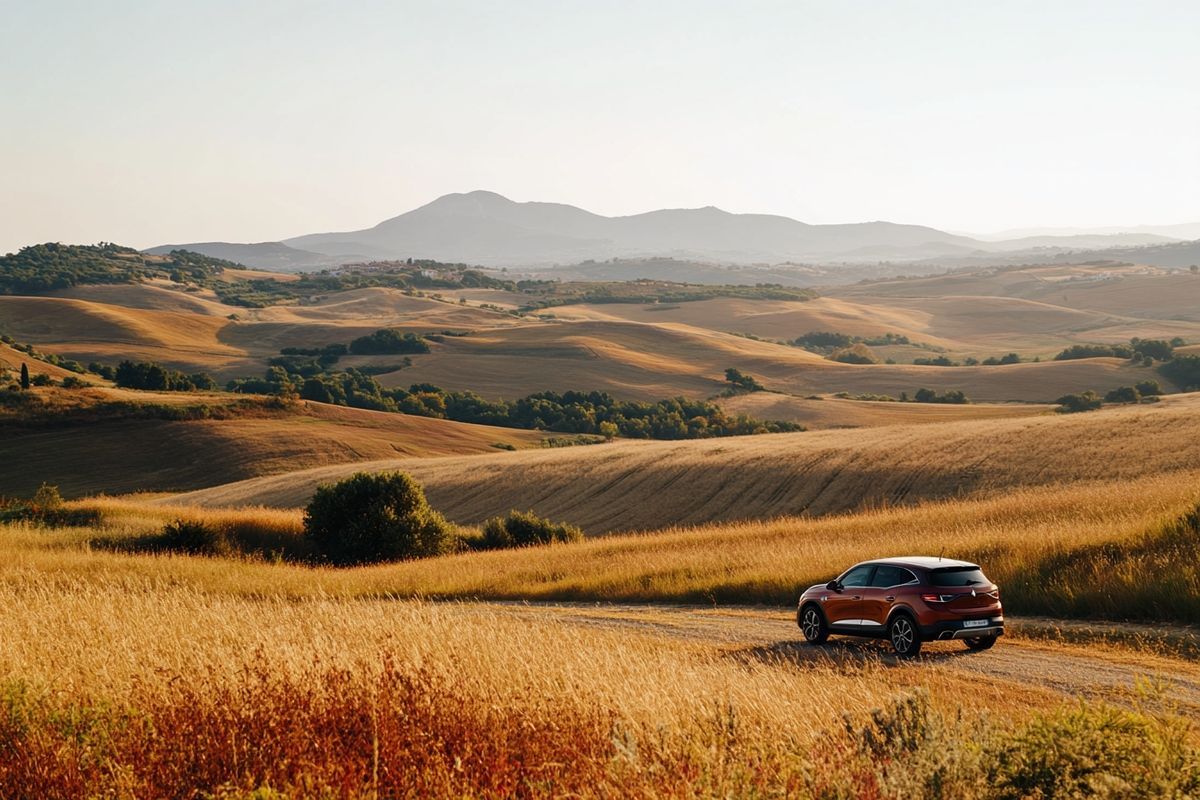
[(1184, 371), (1094, 351), (952, 397), (1148, 388), (1125, 394), (73, 382), (1096, 751), (1075, 403), (1156, 349), (523, 530), (1009, 358), (738, 380), (195, 538), (388, 342), (936, 361), (856, 354), (368, 518)]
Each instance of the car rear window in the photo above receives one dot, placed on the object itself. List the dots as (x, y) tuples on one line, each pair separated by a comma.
[(958, 576)]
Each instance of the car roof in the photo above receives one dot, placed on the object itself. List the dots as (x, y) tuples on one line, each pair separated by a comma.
[(921, 562)]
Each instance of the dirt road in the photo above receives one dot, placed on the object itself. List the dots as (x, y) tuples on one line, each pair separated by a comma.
[(1098, 670)]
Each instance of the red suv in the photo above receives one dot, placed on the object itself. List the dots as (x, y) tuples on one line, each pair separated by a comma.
[(906, 600)]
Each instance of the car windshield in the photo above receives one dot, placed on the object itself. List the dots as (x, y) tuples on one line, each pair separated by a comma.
[(958, 576)]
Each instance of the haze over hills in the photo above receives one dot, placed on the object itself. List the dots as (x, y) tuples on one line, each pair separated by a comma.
[(485, 228)]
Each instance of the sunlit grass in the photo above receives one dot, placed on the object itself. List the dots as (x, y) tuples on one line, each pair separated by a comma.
[(1089, 550)]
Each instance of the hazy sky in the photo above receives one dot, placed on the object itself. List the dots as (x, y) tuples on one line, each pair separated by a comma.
[(150, 122)]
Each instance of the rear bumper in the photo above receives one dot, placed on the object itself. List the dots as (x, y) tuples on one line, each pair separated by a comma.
[(957, 629)]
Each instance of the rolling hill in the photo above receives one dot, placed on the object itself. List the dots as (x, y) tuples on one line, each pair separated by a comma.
[(646, 361), (132, 454), (647, 485)]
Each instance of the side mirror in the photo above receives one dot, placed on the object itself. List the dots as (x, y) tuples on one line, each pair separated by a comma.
[(834, 586)]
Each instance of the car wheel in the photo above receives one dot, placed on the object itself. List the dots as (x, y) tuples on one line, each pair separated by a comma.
[(904, 636), (981, 642), (812, 625)]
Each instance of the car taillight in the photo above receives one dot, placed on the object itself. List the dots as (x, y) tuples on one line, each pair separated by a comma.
[(938, 598)]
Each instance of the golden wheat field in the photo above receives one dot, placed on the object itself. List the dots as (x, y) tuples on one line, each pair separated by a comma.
[(625, 486), (133, 675), (1086, 550)]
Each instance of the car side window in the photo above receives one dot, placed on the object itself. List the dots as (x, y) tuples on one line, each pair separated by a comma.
[(859, 576), (886, 576)]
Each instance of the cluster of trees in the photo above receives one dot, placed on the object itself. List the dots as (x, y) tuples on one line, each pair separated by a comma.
[(827, 341), (952, 397), (408, 276), (1141, 349), (553, 293), (149, 375), (46, 267), (389, 341), (740, 381), (1143, 391), (1184, 371), (936, 361), (857, 353), (595, 413)]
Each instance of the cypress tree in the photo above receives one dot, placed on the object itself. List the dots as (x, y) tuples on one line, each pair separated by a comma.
[(24, 375)]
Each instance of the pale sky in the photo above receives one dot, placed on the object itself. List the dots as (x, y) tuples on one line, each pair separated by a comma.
[(146, 122)]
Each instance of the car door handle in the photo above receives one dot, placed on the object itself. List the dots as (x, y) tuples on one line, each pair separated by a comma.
[(890, 597), (857, 597)]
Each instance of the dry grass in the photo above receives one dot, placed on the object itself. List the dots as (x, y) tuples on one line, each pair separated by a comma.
[(136, 685), (140, 688), (650, 360), (1086, 551), (651, 485), (834, 412), (170, 676)]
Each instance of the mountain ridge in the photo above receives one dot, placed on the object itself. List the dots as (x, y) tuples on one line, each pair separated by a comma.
[(486, 228)]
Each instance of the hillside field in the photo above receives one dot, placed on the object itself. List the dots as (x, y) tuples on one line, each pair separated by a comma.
[(626, 486)]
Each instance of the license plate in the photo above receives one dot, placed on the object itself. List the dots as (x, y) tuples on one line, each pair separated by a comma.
[(975, 623)]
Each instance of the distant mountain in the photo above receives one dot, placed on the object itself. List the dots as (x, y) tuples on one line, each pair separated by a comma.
[(1120, 235), (263, 255), (487, 228), (1081, 241)]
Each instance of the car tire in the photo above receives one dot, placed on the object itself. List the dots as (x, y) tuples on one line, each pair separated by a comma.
[(980, 642), (904, 636), (812, 625)]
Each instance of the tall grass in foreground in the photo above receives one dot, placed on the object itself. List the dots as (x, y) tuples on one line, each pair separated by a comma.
[(135, 688), (1122, 550)]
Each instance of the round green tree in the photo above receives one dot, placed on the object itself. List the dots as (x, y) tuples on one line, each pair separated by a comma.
[(368, 518)]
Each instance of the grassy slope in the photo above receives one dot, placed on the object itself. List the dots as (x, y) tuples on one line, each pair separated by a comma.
[(648, 485), (833, 412), (127, 455), (1036, 311), (194, 331), (646, 361), (13, 359)]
